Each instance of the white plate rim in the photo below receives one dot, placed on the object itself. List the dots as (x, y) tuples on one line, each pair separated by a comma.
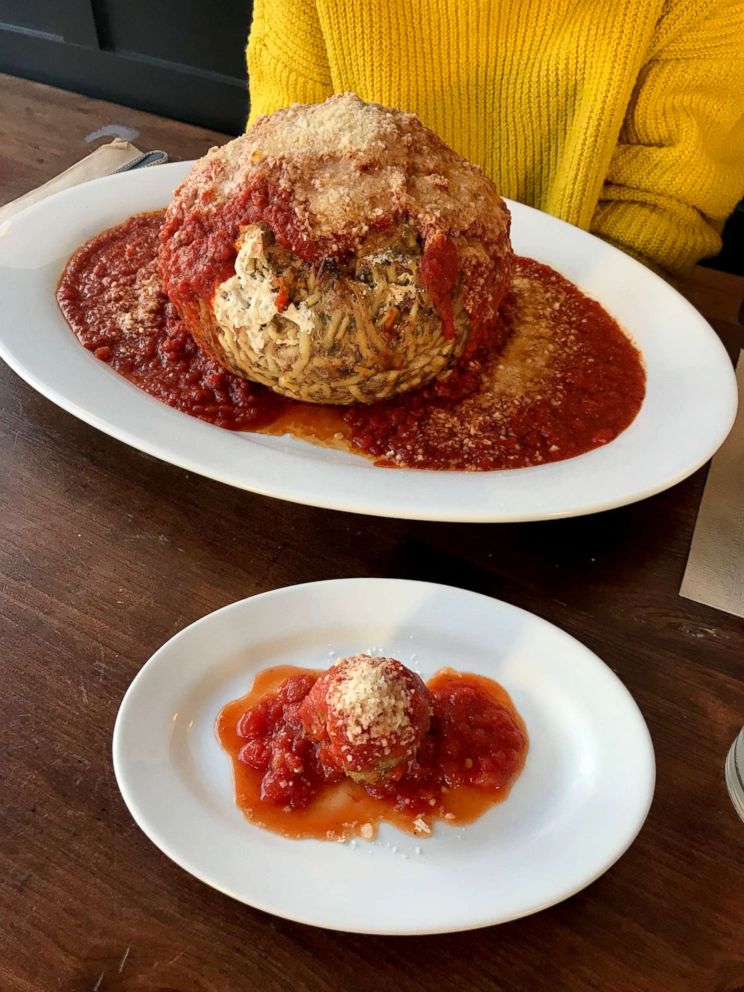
[(646, 791), (423, 495)]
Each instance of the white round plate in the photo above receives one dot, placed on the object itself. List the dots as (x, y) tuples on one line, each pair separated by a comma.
[(580, 801), (688, 410)]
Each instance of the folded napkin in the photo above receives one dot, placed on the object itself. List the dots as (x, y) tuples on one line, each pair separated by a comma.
[(715, 568), (104, 161)]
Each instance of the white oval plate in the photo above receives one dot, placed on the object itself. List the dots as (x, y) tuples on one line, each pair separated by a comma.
[(688, 410), (583, 795)]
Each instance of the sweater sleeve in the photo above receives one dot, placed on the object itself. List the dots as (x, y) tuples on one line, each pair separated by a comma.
[(287, 61), (678, 169)]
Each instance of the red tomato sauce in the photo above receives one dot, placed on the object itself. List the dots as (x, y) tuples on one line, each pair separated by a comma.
[(470, 758), (110, 295), (566, 381), (439, 274)]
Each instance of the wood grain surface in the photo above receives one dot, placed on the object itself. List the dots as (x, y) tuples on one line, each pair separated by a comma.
[(105, 553)]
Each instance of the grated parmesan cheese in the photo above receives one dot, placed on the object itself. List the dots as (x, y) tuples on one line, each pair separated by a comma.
[(343, 124), (374, 700)]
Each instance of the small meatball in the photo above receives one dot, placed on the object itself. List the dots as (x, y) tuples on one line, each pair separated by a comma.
[(372, 712)]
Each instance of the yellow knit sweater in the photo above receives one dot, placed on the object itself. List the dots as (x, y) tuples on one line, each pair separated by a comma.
[(625, 117)]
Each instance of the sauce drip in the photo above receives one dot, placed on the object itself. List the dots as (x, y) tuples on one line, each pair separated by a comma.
[(566, 381), (439, 275), (469, 760)]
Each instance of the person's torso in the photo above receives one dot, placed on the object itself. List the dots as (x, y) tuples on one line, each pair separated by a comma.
[(535, 93)]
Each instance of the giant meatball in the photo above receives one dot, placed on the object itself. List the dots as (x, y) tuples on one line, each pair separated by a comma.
[(337, 252)]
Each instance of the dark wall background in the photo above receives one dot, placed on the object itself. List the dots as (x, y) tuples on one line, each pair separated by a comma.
[(731, 258), (177, 58)]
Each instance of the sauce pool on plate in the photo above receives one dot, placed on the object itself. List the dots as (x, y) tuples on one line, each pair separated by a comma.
[(566, 381), (285, 781)]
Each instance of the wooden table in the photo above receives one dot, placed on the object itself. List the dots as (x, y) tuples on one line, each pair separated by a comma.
[(105, 553)]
